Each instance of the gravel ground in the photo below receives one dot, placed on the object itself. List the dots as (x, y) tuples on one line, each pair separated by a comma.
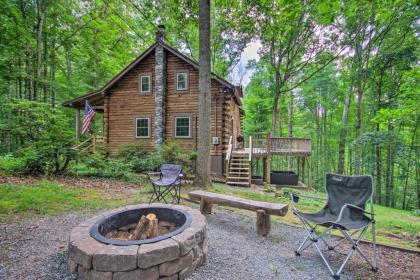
[(36, 249)]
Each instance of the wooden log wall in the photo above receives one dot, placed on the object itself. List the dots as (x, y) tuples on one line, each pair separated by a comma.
[(124, 103)]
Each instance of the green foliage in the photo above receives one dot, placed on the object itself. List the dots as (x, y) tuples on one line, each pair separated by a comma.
[(47, 141)]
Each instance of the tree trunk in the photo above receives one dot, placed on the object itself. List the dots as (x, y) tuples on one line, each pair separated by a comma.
[(41, 8), (45, 74), (52, 72), (378, 175), (275, 110), (28, 57), (343, 134), (202, 178), (389, 167), (359, 96), (290, 126), (409, 165)]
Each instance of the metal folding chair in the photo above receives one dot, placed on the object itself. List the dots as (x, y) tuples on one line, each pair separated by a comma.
[(344, 211), (168, 183)]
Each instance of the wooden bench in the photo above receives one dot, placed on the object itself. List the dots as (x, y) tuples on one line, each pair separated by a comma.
[(263, 209)]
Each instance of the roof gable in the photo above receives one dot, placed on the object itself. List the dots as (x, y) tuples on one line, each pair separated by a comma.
[(129, 67)]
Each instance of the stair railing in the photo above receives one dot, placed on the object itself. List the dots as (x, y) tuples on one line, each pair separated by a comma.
[(250, 161), (228, 156), (88, 145)]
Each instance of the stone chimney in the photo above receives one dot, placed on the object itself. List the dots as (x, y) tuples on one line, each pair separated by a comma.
[(160, 82), (160, 34)]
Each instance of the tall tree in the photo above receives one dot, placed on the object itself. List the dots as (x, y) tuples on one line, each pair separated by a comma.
[(204, 100)]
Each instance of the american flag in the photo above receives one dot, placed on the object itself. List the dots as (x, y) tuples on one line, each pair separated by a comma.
[(87, 118)]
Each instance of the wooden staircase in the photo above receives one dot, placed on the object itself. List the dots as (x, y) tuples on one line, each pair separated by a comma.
[(238, 171)]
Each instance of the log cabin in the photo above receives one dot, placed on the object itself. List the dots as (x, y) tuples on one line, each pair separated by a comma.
[(155, 99)]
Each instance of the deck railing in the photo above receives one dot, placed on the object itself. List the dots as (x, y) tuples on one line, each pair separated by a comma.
[(259, 142), (262, 143), (286, 145)]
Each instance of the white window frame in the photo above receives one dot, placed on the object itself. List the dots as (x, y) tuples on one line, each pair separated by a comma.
[(148, 76), (189, 126), (186, 80), (148, 127)]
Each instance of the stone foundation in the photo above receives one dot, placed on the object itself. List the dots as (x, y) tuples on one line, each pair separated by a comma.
[(173, 258)]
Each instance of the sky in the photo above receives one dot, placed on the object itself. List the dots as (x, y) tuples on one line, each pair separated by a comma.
[(249, 53)]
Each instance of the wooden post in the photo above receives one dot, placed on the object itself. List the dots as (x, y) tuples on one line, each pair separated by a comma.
[(105, 120), (310, 173), (298, 167), (268, 169), (77, 123), (205, 206), (263, 223), (303, 170), (250, 173), (94, 143), (268, 161)]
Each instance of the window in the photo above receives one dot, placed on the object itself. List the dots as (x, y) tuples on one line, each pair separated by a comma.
[(182, 81), (142, 127), (145, 84), (183, 127)]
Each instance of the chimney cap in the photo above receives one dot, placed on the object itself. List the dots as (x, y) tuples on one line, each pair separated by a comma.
[(160, 33)]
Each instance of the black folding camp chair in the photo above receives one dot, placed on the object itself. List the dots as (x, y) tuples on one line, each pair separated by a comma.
[(344, 211), (168, 183)]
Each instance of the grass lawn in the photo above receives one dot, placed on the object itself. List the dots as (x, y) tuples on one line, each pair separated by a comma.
[(48, 197), (393, 226)]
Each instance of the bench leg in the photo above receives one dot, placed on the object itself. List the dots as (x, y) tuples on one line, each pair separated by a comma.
[(263, 223), (205, 207)]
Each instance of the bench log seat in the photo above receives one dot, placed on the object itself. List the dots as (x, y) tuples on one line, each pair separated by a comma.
[(263, 209)]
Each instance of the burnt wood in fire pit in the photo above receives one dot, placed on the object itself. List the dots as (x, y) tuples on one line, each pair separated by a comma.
[(102, 227)]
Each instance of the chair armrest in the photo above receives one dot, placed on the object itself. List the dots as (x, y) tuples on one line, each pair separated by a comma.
[(152, 174), (352, 206), (295, 199)]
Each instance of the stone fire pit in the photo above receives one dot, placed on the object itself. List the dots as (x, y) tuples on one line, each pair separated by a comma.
[(171, 256)]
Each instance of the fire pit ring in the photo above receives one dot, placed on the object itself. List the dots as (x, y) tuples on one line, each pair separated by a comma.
[(117, 219), (170, 256)]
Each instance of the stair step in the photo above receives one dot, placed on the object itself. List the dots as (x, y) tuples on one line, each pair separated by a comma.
[(238, 178), (238, 183), (239, 173), (238, 168)]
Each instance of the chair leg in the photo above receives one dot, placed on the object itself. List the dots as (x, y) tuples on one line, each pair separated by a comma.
[(354, 247), (312, 238), (154, 194), (375, 256)]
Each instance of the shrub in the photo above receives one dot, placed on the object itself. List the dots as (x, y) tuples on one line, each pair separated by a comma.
[(173, 153), (46, 139), (130, 151), (141, 161)]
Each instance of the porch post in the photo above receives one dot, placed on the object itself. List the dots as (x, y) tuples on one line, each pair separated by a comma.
[(268, 169), (310, 173), (77, 123), (298, 167)]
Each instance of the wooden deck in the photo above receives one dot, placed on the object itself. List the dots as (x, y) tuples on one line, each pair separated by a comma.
[(261, 145), (279, 151)]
